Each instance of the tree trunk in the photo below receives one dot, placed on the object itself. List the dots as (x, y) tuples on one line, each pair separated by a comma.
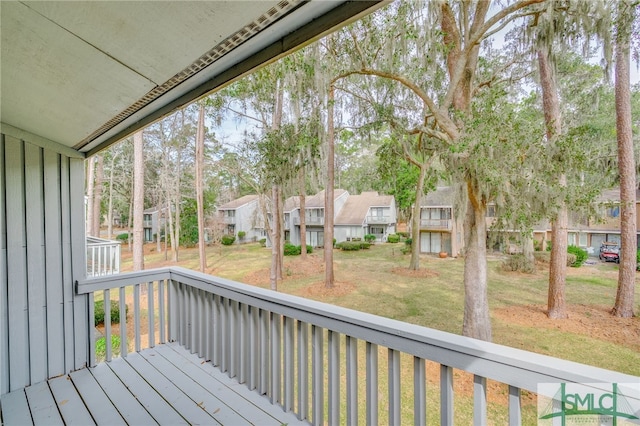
[(476, 323), (97, 195), (275, 239), (199, 187), (329, 278), (303, 221), (623, 306), (527, 252), (556, 304), (280, 219), (414, 263), (90, 190), (138, 202), (110, 207)]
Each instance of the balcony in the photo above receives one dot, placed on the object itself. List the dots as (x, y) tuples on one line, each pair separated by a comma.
[(216, 350), (229, 220), (103, 257), (310, 221), (378, 220), (435, 224)]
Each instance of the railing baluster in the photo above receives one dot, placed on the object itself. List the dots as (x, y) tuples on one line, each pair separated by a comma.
[(317, 376), (161, 310), (254, 344), (151, 314), (192, 330), (224, 326), (208, 318), (352, 380), (217, 333), (479, 400), (419, 392), (288, 363), (201, 325), (107, 323), (276, 358), (515, 409), (174, 314), (264, 353), (334, 377), (234, 342), (92, 335), (393, 362), (446, 395), (136, 315), (244, 343), (303, 370), (184, 318), (372, 383), (123, 322)]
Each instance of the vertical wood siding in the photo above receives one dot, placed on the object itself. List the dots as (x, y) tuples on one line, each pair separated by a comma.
[(4, 314), (43, 324)]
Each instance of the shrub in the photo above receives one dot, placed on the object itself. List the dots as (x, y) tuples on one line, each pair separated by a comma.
[(350, 245), (98, 312), (369, 238), (408, 241), (365, 245), (393, 238), (549, 245), (122, 237), (571, 259), (263, 242), (241, 234), (227, 240), (518, 262), (293, 250), (581, 255), (101, 346), (638, 260), (402, 234), (542, 256)]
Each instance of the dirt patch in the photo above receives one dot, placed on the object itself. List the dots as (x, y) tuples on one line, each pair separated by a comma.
[(318, 290), (420, 273), (294, 268), (593, 321)]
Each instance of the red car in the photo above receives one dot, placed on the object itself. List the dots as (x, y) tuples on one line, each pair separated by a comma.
[(610, 252)]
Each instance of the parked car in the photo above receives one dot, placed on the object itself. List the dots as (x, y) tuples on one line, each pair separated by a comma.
[(610, 252)]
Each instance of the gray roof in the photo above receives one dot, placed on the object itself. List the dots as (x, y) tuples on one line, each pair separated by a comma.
[(355, 209), (238, 202), (292, 203), (443, 196), (317, 201)]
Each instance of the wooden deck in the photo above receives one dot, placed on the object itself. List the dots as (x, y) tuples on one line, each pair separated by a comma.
[(161, 385)]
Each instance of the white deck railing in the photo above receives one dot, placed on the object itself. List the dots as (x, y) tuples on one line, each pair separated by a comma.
[(282, 346), (103, 257)]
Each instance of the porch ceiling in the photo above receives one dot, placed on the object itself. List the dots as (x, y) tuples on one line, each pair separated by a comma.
[(86, 74)]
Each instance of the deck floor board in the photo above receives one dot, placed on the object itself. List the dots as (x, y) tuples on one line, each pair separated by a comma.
[(161, 385)]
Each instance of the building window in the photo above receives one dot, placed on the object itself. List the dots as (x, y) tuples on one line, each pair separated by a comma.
[(491, 211), (231, 230), (613, 211)]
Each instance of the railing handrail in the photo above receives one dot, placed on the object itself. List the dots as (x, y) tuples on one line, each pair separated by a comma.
[(512, 366), (96, 241)]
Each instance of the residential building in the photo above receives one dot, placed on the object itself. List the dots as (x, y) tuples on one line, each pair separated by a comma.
[(367, 213), (242, 215), (314, 215), (291, 210), (440, 229), (155, 219)]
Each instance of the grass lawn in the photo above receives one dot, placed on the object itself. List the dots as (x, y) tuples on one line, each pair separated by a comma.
[(377, 281)]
